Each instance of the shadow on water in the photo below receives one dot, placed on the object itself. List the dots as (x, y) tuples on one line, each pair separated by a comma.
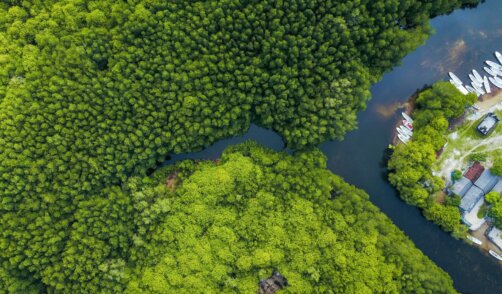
[(463, 40)]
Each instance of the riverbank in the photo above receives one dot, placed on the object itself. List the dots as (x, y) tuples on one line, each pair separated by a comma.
[(464, 145)]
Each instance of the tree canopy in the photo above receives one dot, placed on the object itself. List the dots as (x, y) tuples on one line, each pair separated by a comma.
[(95, 92)]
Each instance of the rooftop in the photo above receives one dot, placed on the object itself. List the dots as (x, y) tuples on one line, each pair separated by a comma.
[(461, 186), (471, 218), (470, 198), (474, 171), (498, 186), (486, 181)]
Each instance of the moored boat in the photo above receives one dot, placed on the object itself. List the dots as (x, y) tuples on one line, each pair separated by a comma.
[(474, 240), (462, 89), (491, 71), (471, 89), (455, 78), (487, 85), (454, 83), (407, 117), (406, 131), (478, 89), (406, 136), (477, 75), (494, 65), (408, 125), (498, 56), (474, 80), (402, 138), (495, 82), (495, 254)]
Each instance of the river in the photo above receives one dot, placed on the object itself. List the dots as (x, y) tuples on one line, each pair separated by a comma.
[(463, 40)]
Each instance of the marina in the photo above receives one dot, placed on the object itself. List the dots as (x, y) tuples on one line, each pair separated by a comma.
[(480, 85)]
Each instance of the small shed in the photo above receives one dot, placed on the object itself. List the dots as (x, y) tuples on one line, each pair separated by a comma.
[(474, 172), (471, 198), (461, 186), (488, 124), (486, 181)]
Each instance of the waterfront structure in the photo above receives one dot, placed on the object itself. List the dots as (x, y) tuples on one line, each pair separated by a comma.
[(473, 195)]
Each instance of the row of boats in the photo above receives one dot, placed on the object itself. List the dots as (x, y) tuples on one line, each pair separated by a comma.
[(479, 242), (405, 131), (480, 85)]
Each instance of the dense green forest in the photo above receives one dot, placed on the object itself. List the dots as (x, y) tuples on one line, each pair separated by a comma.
[(224, 225), (410, 164), (95, 92)]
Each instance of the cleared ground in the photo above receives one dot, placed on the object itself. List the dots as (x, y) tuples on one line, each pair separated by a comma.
[(466, 140)]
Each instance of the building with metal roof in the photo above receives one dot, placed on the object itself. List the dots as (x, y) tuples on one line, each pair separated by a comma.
[(461, 186), (498, 186), (471, 198), (495, 235), (486, 181), (488, 124)]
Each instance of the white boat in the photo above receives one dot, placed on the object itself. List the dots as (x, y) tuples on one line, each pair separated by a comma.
[(406, 136), (487, 85), (478, 89), (454, 83), (496, 81), (462, 89), (477, 75), (408, 125), (407, 117), (494, 65), (455, 78), (496, 71), (402, 139), (491, 71), (474, 240), (475, 81), (471, 89), (406, 131), (495, 254), (498, 56)]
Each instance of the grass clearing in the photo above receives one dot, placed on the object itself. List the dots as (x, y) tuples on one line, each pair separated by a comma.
[(466, 141)]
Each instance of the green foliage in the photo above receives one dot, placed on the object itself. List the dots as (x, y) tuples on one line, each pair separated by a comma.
[(482, 211), (447, 217), (231, 224), (456, 175), (442, 100), (93, 93), (477, 157), (495, 210), (496, 169), (410, 165), (453, 200)]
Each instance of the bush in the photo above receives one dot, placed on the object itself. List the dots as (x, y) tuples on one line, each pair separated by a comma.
[(456, 175), (497, 167), (453, 200), (477, 157)]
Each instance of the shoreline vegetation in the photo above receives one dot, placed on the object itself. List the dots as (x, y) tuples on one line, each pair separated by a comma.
[(95, 94), (421, 170), (410, 165)]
